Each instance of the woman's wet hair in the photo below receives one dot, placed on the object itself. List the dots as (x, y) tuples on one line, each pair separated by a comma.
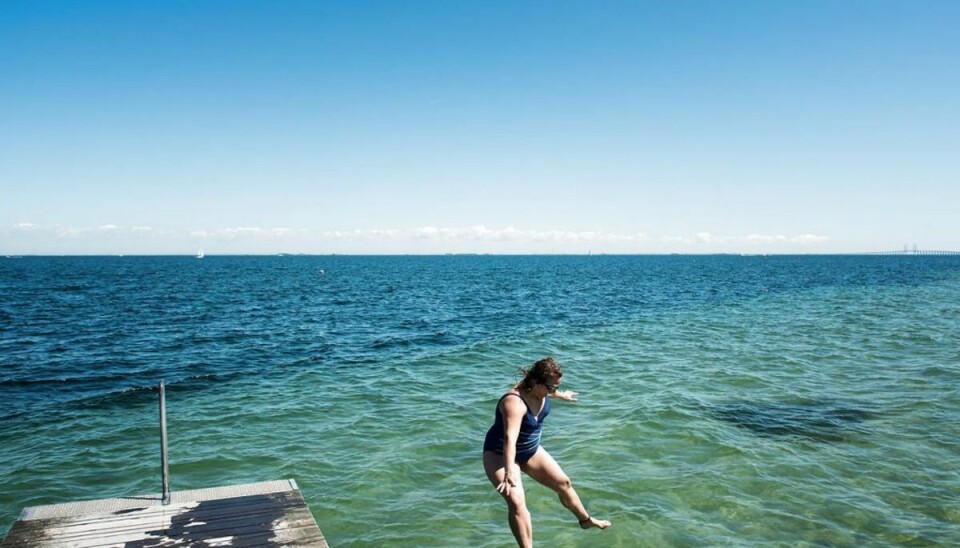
[(542, 372)]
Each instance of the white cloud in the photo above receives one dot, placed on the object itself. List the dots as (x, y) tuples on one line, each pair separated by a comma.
[(715, 241), (70, 231), (781, 239), (482, 233), (810, 239), (426, 232), (352, 235), (239, 232), (509, 234), (708, 238), (389, 233), (427, 238)]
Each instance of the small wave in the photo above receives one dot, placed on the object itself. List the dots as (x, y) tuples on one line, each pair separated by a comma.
[(419, 323), (226, 338), (438, 338), (204, 381), (124, 396), (139, 394), (316, 357), (13, 415), (383, 343), (62, 380), (72, 288), (941, 371)]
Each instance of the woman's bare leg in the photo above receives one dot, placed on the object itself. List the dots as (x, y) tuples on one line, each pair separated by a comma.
[(543, 468), (517, 514)]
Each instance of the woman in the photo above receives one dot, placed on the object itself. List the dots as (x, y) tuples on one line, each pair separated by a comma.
[(513, 444)]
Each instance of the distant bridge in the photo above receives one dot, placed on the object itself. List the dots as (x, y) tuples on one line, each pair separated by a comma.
[(914, 252)]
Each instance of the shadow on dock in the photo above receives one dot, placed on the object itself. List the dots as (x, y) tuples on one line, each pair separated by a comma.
[(251, 517), (271, 513)]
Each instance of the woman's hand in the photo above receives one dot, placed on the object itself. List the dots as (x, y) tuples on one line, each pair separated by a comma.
[(568, 395), (509, 481)]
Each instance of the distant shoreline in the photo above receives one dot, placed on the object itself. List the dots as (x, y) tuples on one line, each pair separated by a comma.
[(922, 253)]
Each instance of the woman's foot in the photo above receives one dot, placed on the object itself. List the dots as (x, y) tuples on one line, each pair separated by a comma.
[(590, 521)]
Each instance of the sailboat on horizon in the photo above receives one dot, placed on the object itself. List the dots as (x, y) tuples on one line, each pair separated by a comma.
[(200, 253)]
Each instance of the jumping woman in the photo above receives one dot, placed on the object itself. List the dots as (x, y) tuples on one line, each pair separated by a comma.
[(513, 444)]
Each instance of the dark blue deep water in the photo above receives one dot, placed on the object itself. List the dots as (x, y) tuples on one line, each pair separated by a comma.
[(725, 399)]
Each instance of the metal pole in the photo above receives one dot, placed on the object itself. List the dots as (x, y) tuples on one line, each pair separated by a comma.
[(163, 446)]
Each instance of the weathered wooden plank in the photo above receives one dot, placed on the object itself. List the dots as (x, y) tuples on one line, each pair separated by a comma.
[(236, 526), (92, 534), (192, 495), (301, 531), (267, 518), (181, 518), (237, 535), (285, 536), (203, 511), (311, 541)]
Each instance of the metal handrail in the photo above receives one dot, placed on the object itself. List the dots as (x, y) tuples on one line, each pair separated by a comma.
[(163, 447)]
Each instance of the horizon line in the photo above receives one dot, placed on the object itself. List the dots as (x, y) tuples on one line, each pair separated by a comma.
[(926, 253)]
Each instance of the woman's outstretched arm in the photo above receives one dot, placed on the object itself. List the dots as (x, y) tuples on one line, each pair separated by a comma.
[(566, 395)]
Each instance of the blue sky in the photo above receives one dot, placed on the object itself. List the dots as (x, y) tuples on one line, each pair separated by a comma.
[(492, 127)]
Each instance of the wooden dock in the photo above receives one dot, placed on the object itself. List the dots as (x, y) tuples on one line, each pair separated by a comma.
[(271, 513)]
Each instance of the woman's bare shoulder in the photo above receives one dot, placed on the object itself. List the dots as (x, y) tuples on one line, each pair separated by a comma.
[(513, 403)]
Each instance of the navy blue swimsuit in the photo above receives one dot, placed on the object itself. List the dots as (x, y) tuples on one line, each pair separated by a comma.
[(529, 438)]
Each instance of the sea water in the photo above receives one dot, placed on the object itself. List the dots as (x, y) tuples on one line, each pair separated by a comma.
[(724, 400)]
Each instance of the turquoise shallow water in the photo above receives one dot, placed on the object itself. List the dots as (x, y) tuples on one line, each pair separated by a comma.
[(724, 400)]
